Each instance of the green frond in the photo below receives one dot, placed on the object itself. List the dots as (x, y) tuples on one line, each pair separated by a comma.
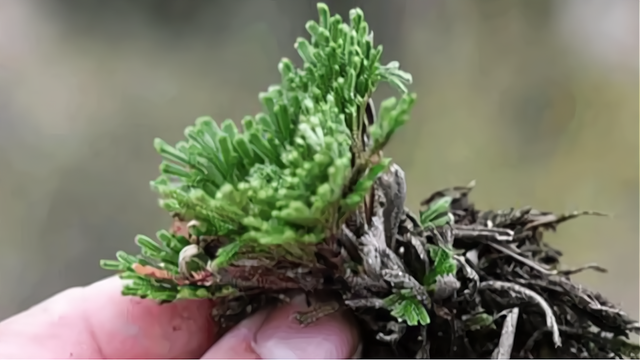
[(443, 264), (286, 177), (406, 308), (436, 214)]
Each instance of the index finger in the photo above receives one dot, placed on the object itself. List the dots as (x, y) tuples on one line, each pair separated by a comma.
[(97, 322)]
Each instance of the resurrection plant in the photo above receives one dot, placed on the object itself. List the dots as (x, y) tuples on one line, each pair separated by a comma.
[(302, 199)]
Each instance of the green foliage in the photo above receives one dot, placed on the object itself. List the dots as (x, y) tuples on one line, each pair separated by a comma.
[(287, 176), (406, 308), (480, 321), (162, 255), (443, 264), (404, 305), (437, 213), (290, 174)]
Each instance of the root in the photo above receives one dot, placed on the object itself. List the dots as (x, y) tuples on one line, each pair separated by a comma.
[(316, 312), (517, 291), (505, 346), (590, 266), (365, 302), (470, 274), (396, 331)]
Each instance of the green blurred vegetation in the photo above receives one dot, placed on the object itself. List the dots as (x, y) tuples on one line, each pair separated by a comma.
[(519, 95)]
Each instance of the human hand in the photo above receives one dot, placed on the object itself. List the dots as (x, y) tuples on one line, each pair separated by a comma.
[(96, 322)]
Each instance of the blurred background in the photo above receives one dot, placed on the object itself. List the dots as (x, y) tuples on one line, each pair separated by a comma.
[(536, 100)]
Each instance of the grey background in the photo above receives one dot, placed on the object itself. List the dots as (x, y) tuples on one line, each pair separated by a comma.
[(536, 100)]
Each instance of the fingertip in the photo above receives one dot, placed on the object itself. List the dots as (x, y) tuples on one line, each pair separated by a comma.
[(281, 337), (237, 343), (274, 334)]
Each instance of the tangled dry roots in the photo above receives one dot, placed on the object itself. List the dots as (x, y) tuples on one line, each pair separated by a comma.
[(514, 300)]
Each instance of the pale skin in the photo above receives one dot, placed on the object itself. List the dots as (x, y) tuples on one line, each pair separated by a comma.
[(96, 322)]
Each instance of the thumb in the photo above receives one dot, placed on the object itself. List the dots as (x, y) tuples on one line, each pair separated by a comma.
[(274, 334)]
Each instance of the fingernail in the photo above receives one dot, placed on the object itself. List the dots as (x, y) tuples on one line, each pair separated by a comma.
[(358, 353), (282, 337), (237, 343)]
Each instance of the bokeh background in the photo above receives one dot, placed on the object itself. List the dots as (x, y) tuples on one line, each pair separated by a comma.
[(536, 100)]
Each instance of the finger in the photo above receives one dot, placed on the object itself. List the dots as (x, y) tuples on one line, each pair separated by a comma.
[(97, 322), (276, 335), (129, 327), (332, 337), (238, 342), (48, 330)]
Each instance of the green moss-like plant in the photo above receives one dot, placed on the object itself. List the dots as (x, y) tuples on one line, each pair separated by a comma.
[(291, 176)]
